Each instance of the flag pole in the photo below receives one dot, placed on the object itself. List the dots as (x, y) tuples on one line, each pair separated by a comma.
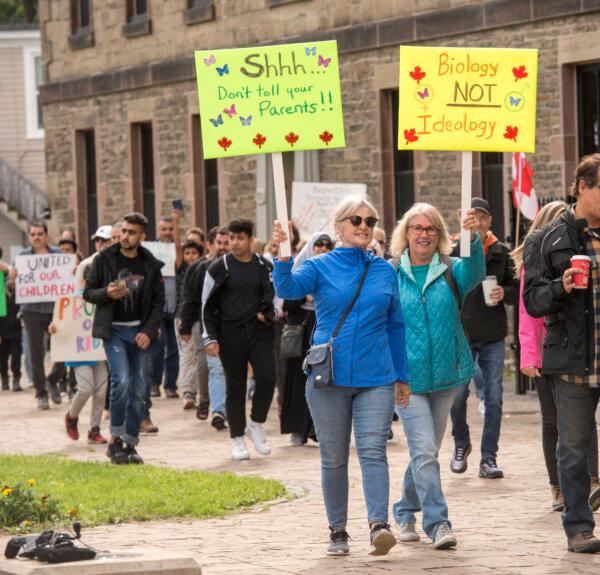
[(519, 197)]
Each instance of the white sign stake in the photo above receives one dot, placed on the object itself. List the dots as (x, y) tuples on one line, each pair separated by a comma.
[(465, 202), (285, 249)]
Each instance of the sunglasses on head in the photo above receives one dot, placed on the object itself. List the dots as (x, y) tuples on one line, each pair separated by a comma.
[(370, 221), (323, 244)]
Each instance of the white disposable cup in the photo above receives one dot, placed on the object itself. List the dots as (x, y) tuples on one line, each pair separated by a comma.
[(489, 284)]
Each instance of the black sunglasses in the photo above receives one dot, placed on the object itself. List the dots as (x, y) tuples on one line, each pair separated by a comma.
[(323, 244), (370, 221)]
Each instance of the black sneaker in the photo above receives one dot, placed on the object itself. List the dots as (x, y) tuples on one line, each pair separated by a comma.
[(218, 421), (338, 542), (155, 391), (54, 393), (116, 453), (458, 463), (382, 539), (132, 455), (489, 470), (17, 385), (5, 386)]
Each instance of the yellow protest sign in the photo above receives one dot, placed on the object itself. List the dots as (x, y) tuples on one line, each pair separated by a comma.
[(467, 99), (270, 99)]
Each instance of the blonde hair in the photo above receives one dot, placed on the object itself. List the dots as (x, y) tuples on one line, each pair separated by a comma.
[(547, 214), (348, 207), (400, 236)]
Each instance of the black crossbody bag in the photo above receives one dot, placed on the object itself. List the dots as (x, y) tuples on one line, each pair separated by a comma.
[(319, 360)]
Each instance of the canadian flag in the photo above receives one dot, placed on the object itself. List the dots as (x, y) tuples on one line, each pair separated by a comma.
[(524, 196)]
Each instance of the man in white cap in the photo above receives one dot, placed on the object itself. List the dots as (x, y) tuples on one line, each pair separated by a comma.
[(102, 239)]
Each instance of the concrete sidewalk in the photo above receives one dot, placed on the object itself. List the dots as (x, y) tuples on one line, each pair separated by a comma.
[(504, 526)]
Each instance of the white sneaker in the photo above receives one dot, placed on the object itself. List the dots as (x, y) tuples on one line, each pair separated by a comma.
[(239, 450), (255, 433), (408, 532)]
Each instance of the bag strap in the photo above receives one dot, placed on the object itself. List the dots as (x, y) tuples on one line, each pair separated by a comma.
[(450, 279), (338, 327)]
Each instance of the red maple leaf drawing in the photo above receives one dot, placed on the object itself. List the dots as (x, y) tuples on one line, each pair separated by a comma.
[(259, 140), (224, 142), (417, 74), (326, 137), (410, 136), (291, 138), (520, 73), (511, 133)]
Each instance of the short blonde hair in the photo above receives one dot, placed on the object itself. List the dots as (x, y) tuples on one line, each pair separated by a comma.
[(400, 236)]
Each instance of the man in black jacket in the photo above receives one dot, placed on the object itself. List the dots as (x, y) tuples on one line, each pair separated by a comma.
[(571, 356), (126, 285), (486, 328), (237, 305)]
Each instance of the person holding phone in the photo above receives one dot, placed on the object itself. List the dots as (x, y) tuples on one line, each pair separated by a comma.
[(355, 295), (126, 285)]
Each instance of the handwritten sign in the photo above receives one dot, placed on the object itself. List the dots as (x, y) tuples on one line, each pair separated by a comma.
[(164, 252), (44, 277), (467, 99), (270, 99), (314, 203), (73, 341)]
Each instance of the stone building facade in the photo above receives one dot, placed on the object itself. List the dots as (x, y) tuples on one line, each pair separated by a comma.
[(121, 109)]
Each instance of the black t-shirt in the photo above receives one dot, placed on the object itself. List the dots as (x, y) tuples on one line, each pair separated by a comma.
[(130, 270), (241, 294)]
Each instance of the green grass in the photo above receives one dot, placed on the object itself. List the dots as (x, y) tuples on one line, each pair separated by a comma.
[(104, 493)]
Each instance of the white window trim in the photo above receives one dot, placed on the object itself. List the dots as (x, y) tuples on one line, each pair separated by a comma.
[(31, 107)]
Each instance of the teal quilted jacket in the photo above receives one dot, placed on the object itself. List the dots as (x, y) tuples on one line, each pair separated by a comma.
[(439, 356)]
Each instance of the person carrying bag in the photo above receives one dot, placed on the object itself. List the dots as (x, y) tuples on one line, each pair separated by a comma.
[(359, 357)]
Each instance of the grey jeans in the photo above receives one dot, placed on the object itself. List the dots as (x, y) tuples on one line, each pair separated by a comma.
[(193, 368), (92, 381)]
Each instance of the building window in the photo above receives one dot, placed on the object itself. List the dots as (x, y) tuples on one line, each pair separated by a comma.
[(198, 11), (211, 191), (82, 35), (142, 156), (403, 167), (138, 19), (492, 189), (87, 190), (206, 209), (32, 68), (137, 10), (588, 96)]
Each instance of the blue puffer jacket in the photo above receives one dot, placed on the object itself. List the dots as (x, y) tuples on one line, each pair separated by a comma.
[(439, 356), (370, 349)]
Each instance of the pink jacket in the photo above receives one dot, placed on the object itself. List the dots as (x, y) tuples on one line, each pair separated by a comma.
[(532, 333)]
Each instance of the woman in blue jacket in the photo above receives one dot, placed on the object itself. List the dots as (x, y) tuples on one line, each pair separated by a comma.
[(369, 366), (439, 357)]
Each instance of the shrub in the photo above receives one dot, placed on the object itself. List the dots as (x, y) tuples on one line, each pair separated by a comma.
[(21, 507)]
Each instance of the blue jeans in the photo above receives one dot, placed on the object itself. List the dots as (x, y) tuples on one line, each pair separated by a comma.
[(334, 410), (490, 359), (130, 369), (167, 355), (575, 411), (424, 422), (216, 385)]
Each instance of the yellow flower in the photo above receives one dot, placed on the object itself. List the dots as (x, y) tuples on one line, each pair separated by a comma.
[(31, 482), (7, 491), (73, 512)]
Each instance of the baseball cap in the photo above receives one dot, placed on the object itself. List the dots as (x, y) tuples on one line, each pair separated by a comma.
[(480, 204), (104, 232)]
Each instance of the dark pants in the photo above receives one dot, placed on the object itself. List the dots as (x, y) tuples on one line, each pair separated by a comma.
[(545, 391), (166, 357), (575, 411), (239, 345), (490, 359), (36, 325), (11, 349)]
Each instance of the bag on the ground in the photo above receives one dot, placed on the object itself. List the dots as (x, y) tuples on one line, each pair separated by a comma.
[(292, 341)]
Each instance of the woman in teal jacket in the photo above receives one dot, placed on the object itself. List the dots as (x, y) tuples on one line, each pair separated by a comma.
[(369, 357), (439, 357)]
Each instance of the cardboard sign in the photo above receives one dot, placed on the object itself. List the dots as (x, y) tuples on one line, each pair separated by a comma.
[(467, 99), (270, 99), (44, 277), (73, 341), (314, 203), (164, 252)]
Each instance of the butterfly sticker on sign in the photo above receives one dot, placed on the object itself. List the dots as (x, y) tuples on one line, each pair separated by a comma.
[(270, 99)]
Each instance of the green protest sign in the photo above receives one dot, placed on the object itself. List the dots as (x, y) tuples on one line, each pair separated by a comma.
[(3, 310), (270, 99)]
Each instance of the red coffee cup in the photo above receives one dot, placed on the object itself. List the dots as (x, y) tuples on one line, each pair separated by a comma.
[(580, 280)]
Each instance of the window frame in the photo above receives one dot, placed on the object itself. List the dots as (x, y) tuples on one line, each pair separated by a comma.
[(32, 119)]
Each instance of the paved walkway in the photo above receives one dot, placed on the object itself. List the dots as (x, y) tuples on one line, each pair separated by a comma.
[(504, 526)]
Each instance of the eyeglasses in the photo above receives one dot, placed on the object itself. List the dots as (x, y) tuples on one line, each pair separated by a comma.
[(429, 230), (370, 221), (323, 244), (102, 240)]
